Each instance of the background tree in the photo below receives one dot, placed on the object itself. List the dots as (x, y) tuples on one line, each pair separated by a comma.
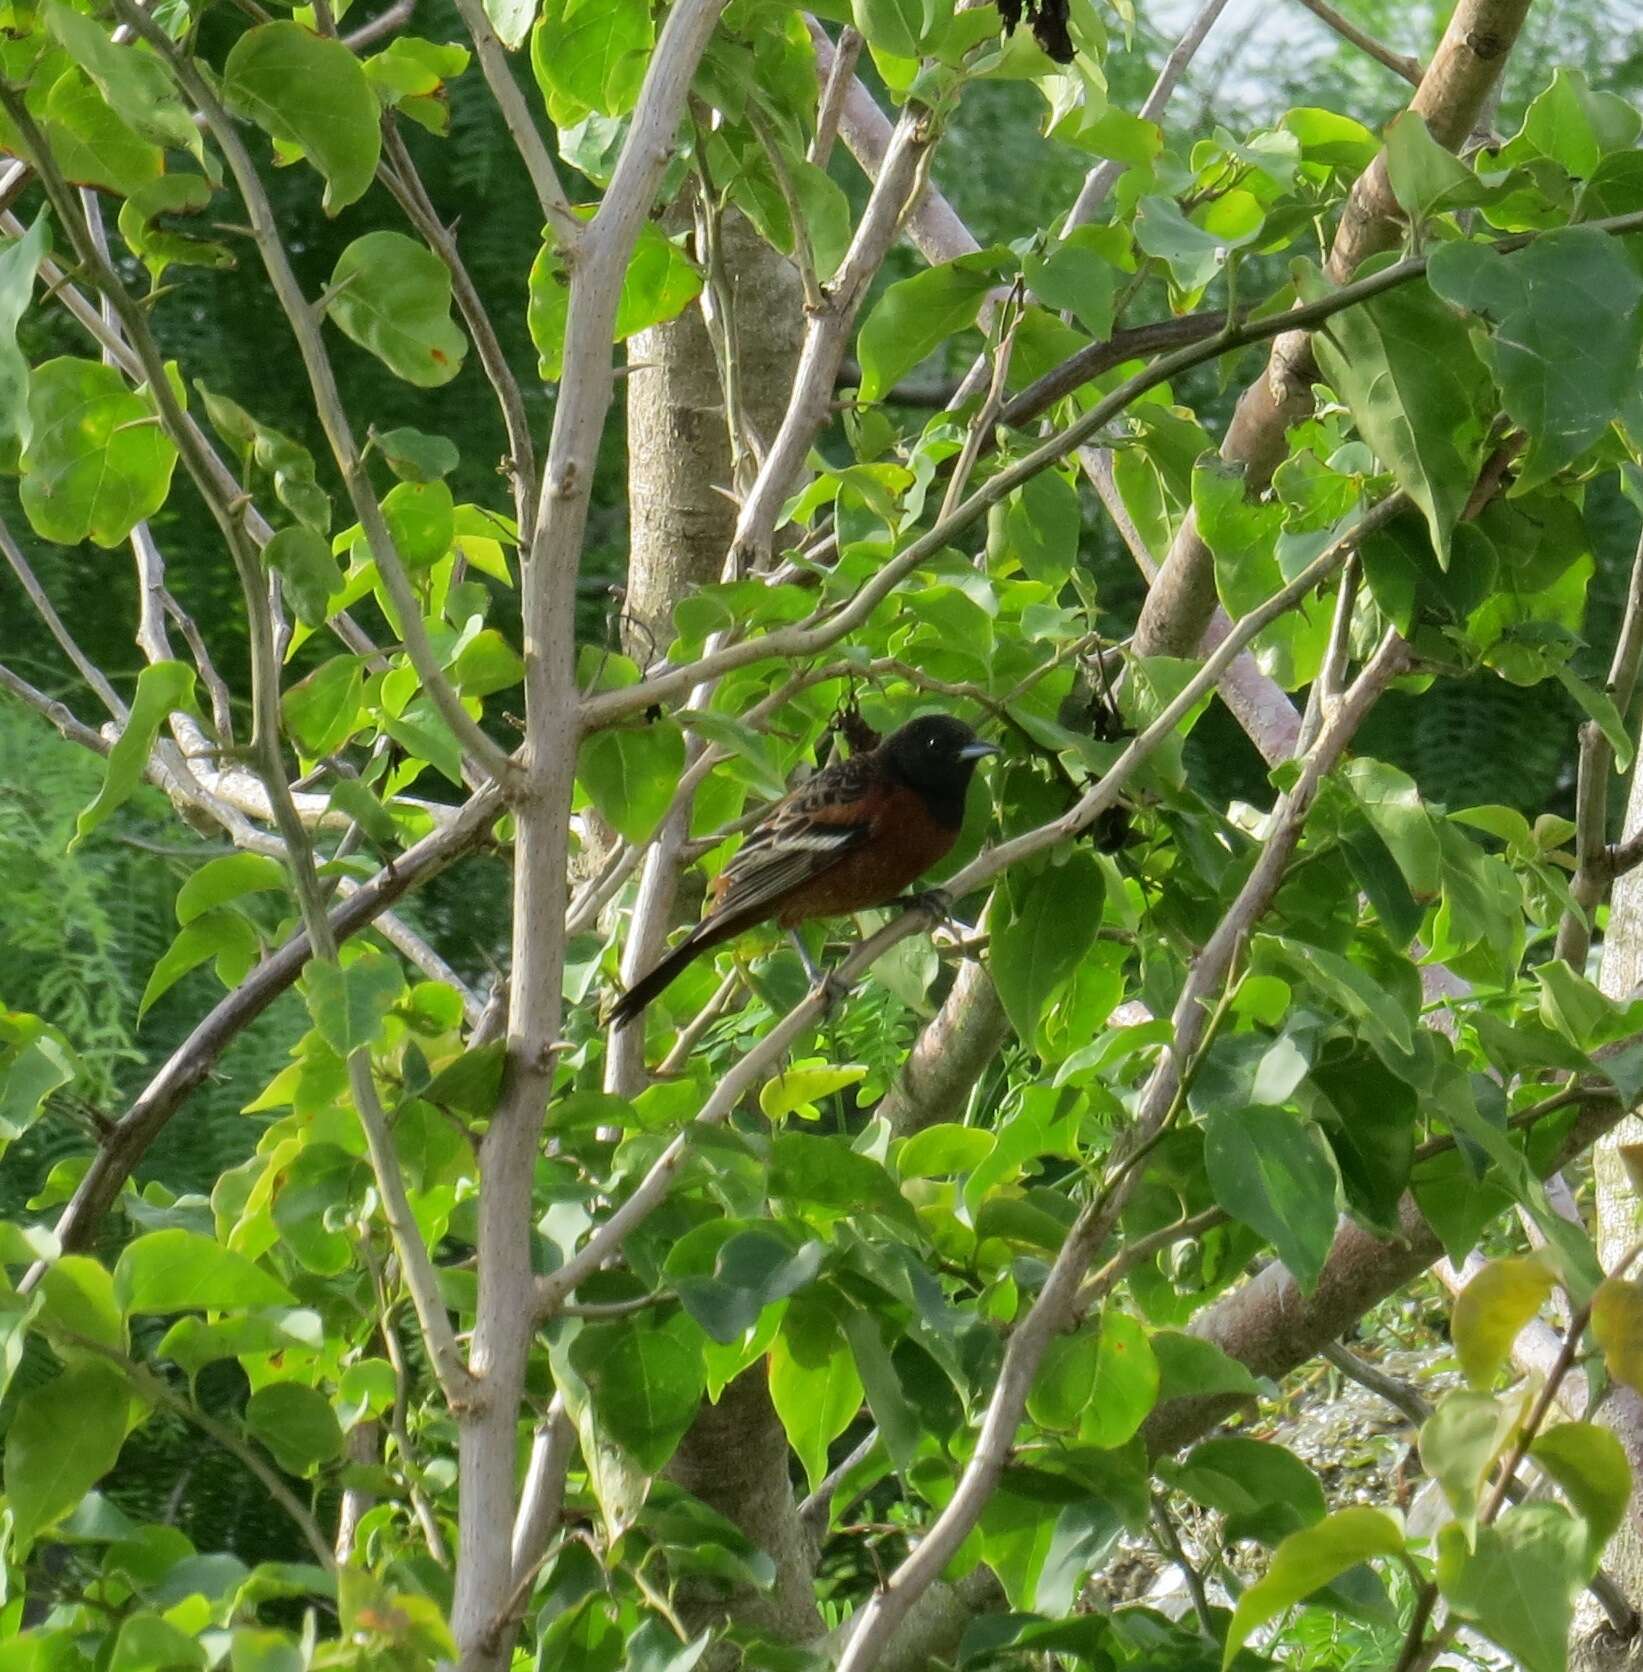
[(787, 1329)]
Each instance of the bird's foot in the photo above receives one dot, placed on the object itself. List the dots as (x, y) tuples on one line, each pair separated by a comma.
[(935, 903), (834, 989)]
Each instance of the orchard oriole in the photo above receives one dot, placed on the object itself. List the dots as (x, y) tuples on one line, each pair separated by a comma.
[(853, 836)]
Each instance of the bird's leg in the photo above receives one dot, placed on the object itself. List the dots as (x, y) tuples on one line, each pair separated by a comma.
[(823, 981)]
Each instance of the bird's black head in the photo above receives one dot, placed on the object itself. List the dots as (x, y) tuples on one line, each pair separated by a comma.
[(936, 755)]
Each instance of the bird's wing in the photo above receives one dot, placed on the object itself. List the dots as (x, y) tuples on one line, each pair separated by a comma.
[(799, 838)]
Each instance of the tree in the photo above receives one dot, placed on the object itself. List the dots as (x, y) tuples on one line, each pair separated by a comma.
[(528, 1329)]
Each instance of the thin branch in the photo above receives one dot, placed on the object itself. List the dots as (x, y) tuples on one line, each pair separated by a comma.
[(562, 220), (328, 405), (1101, 179), (187, 1066), (753, 1067), (406, 185), (383, 24), (1411, 69), (58, 714), (1168, 1536), (839, 74), (47, 611), (817, 1510), (158, 1392)]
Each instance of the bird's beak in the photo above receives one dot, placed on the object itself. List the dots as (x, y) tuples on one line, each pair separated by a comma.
[(977, 750)]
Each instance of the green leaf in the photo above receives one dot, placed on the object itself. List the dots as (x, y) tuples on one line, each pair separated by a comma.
[(1600, 706), (1491, 1310), (136, 84), (1416, 393), (1077, 276), (322, 711), (1567, 330), (1275, 1174), (1458, 1444), (1386, 1028), (63, 1438), (158, 246), (34, 1061), (415, 457), (914, 316), (1043, 924), (1190, 1367), (349, 1004), (392, 296), (20, 260), (1425, 177), (943, 1149), (659, 284), (1196, 250), (645, 1385), (591, 57), (1042, 524), (799, 1089), (1065, 1382), (224, 935), (630, 775), (893, 26), (287, 461), (309, 576), (296, 1424), (161, 687), (826, 1178), (89, 143), (1125, 1387), (421, 519), (97, 462), (1307, 1560), (813, 1384), (181, 1271), (78, 1298), (1591, 1466), (1518, 1583), (309, 91), (1617, 1327), (487, 663), (512, 20), (1264, 1490)]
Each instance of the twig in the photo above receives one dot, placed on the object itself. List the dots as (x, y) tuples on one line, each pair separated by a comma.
[(384, 23), (1101, 179), (1411, 69), (47, 611), (840, 73), (567, 229), (816, 1510), (406, 184), (1164, 1525), (704, 1018), (808, 638), (328, 405), (157, 1392)]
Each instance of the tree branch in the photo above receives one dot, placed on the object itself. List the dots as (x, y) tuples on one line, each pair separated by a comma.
[(328, 404), (562, 220), (1463, 72), (1054, 1308), (1397, 62)]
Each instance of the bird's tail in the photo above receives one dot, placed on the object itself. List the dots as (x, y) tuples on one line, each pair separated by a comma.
[(633, 1002)]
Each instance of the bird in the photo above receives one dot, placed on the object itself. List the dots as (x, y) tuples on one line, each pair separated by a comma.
[(853, 836)]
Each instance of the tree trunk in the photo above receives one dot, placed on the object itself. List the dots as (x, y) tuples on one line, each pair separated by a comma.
[(682, 519)]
